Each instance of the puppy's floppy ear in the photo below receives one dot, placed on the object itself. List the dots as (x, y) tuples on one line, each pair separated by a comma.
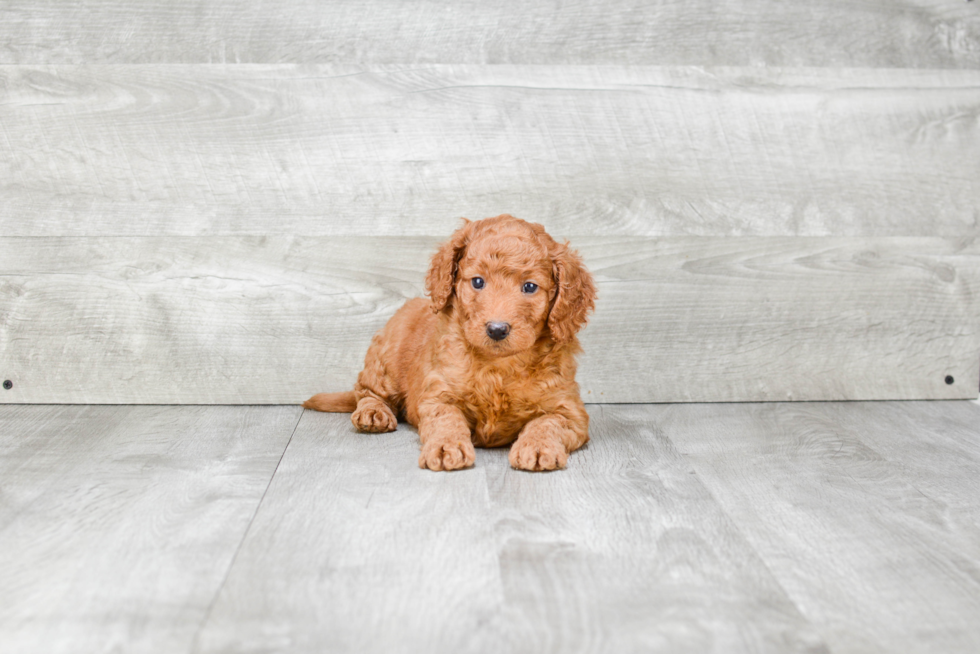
[(575, 294), (441, 280)]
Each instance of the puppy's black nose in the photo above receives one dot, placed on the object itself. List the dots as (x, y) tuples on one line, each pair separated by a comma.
[(498, 330)]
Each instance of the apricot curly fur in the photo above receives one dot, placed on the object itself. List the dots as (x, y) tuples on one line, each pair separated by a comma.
[(436, 366)]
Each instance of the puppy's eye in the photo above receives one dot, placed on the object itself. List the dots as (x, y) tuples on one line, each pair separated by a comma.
[(529, 287), (478, 283)]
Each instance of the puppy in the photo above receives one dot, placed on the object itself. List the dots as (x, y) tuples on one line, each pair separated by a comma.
[(489, 358)]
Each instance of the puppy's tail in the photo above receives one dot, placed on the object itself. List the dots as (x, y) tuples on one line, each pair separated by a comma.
[(332, 402)]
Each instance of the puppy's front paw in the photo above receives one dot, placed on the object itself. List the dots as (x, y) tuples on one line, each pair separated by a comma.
[(373, 416), (538, 453), (447, 454)]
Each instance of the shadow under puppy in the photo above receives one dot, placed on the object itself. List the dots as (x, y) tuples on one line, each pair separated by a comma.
[(489, 358)]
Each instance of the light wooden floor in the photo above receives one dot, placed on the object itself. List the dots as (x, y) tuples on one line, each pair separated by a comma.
[(840, 527)]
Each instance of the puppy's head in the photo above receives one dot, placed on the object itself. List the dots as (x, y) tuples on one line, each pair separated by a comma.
[(510, 285)]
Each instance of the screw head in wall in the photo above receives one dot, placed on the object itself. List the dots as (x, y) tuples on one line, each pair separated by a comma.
[(949, 379), (8, 384)]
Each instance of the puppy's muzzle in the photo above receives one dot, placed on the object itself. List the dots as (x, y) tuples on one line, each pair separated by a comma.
[(498, 330)]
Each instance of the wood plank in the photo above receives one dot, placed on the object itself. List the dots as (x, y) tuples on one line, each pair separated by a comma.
[(627, 551), (881, 33), (356, 549), (877, 553), (258, 320), (186, 320), (118, 524), (769, 319), (934, 444), (589, 150)]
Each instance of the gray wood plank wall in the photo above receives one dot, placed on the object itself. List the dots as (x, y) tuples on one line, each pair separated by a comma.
[(177, 231), (875, 33), (258, 320), (182, 150)]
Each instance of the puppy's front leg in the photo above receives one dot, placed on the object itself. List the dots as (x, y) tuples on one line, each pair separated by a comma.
[(545, 442), (446, 438)]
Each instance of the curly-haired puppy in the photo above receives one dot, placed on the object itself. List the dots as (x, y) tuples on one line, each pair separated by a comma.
[(489, 358)]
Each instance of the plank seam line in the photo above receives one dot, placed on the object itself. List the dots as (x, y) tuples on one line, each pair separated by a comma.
[(207, 615), (790, 599)]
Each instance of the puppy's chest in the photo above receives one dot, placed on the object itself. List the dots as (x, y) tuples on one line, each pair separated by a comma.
[(499, 405)]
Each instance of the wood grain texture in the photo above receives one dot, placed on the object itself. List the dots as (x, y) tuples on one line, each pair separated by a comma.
[(626, 551), (878, 549), (119, 524), (878, 33), (256, 320), (722, 320), (812, 527), (936, 444), (150, 150), (356, 549)]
